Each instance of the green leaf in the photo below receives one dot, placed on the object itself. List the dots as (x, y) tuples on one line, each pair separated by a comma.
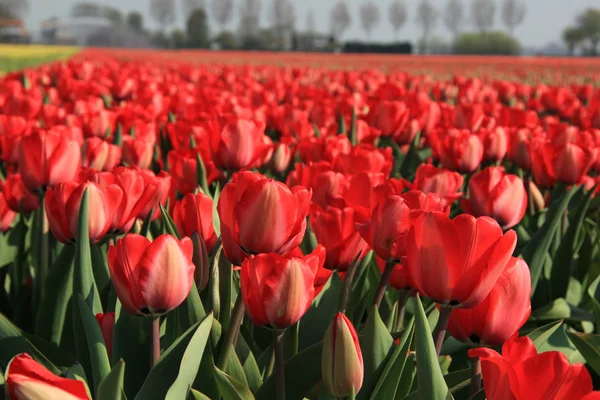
[(589, 347), (225, 290), (411, 160), (100, 267), (52, 311), (376, 345), (431, 381), (131, 344), (201, 175), (214, 295), (169, 225), (323, 309), (83, 280), (560, 309), (76, 372), (562, 263), (342, 125), (146, 224), (352, 132), (176, 369), (11, 241), (231, 388), (215, 214), (56, 355), (535, 251), (111, 387), (540, 335), (196, 395), (99, 362), (407, 378), (387, 385), (559, 341), (186, 315), (302, 373)]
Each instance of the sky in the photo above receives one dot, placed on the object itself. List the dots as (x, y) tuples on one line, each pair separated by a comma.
[(543, 24)]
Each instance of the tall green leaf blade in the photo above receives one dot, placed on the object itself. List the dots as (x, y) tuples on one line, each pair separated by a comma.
[(231, 388), (589, 347), (111, 387)]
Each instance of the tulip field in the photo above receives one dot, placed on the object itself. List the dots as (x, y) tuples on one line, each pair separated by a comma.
[(236, 226)]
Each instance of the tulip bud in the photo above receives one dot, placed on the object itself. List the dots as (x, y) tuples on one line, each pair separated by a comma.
[(537, 196), (281, 158), (107, 326), (200, 260), (342, 361), (26, 379)]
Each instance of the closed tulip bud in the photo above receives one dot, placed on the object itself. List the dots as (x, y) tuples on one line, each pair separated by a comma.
[(496, 194), (151, 278), (194, 214), (107, 326), (536, 194), (17, 196), (47, 158), (100, 155), (260, 215), (278, 290), (239, 144), (495, 144), (457, 262), (342, 361), (281, 158), (389, 223), (26, 379), (501, 314), (62, 208), (521, 373), (138, 152), (201, 261)]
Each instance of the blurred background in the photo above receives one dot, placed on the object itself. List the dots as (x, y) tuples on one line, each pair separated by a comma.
[(543, 27)]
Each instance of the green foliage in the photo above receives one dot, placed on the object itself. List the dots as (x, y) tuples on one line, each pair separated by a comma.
[(135, 21), (487, 43), (197, 29), (226, 41)]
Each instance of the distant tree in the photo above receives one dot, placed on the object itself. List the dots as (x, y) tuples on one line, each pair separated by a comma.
[(310, 28), (427, 16), (369, 17), (483, 13), (163, 12), (135, 21), (13, 8), (487, 43), (589, 24), (249, 17), (513, 13), (454, 17), (178, 38), (340, 19), (573, 36), (282, 15), (398, 15), (189, 6), (222, 11), (197, 29), (226, 41), (86, 9), (113, 15)]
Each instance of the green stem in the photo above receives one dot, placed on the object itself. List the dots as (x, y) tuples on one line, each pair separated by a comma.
[(385, 277), (230, 337), (279, 364), (347, 288), (154, 341), (44, 253), (475, 375), (439, 332), (403, 296)]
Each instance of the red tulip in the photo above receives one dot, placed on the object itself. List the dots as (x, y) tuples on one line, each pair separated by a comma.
[(389, 222), (26, 379), (278, 290), (457, 262), (501, 314), (239, 144), (182, 166), (446, 184), (365, 158), (567, 163), (335, 229), (138, 151), (342, 360), (7, 216), (17, 196), (496, 194), (193, 214), (282, 156), (521, 373), (62, 208), (459, 150), (495, 144), (325, 148), (46, 158), (321, 279), (326, 185), (12, 129), (391, 118), (99, 154), (159, 186), (260, 215), (107, 326), (151, 278)]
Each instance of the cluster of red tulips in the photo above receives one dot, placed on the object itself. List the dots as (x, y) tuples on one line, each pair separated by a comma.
[(181, 231)]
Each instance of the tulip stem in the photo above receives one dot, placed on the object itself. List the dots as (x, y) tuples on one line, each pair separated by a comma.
[(44, 252), (154, 341), (439, 332), (279, 364), (385, 277), (347, 288), (475, 375), (237, 314), (403, 296)]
